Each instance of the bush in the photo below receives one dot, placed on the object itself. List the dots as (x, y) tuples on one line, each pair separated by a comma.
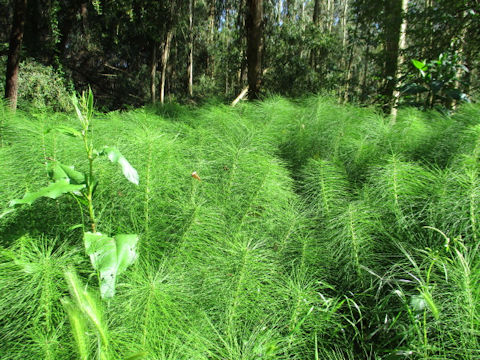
[(40, 86)]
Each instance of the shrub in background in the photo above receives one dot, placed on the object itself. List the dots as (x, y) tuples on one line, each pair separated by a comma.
[(40, 86)]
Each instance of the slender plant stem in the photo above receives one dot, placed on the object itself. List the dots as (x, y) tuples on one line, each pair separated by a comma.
[(89, 195)]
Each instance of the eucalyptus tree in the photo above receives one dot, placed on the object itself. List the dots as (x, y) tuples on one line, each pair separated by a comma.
[(15, 46), (254, 46)]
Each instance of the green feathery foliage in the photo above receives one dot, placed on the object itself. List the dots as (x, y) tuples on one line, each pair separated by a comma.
[(31, 280), (285, 229)]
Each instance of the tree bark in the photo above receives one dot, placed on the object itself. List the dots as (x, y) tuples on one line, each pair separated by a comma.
[(190, 55), (344, 23), (211, 35), (316, 13), (348, 81), (165, 55), (364, 92), (330, 12), (402, 44), (13, 61), (254, 46), (316, 23), (393, 21), (84, 16), (153, 73)]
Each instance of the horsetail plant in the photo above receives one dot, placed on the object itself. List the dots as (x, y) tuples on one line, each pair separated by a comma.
[(110, 256)]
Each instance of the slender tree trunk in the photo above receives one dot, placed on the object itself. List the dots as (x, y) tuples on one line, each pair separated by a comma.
[(211, 35), (241, 24), (153, 73), (165, 55), (462, 55), (190, 57), (402, 44), (349, 66), (363, 95), (393, 22), (316, 13), (316, 23), (171, 69), (226, 47), (13, 61), (279, 11), (254, 46), (84, 16), (344, 23), (243, 69), (330, 7)]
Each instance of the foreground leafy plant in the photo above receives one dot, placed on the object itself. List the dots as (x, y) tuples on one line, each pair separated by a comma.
[(438, 80), (109, 256)]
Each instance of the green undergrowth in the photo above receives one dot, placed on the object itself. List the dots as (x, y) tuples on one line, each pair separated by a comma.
[(310, 231)]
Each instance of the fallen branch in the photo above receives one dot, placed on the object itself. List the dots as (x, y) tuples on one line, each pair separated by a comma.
[(245, 91), (240, 97)]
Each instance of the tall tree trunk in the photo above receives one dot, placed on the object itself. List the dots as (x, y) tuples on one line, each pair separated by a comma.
[(166, 46), (393, 22), (165, 55), (153, 73), (171, 69), (13, 61), (279, 11), (402, 44), (463, 55), (241, 43), (364, 93), (330, 12), (211, 35), (348, 81), (344, 23), (191, 6), (254, 46), (316, 13), (316, 22), (84, 16), (226, 46)]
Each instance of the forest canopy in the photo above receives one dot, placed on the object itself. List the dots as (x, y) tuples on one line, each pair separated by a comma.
[(132, 52)]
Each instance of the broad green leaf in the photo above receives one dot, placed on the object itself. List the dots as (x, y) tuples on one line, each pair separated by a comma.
[(77, 110), (418, 64), (126, 250), (52, 191), (110, 257), (89, 104), (58, 171), (116, 156)]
